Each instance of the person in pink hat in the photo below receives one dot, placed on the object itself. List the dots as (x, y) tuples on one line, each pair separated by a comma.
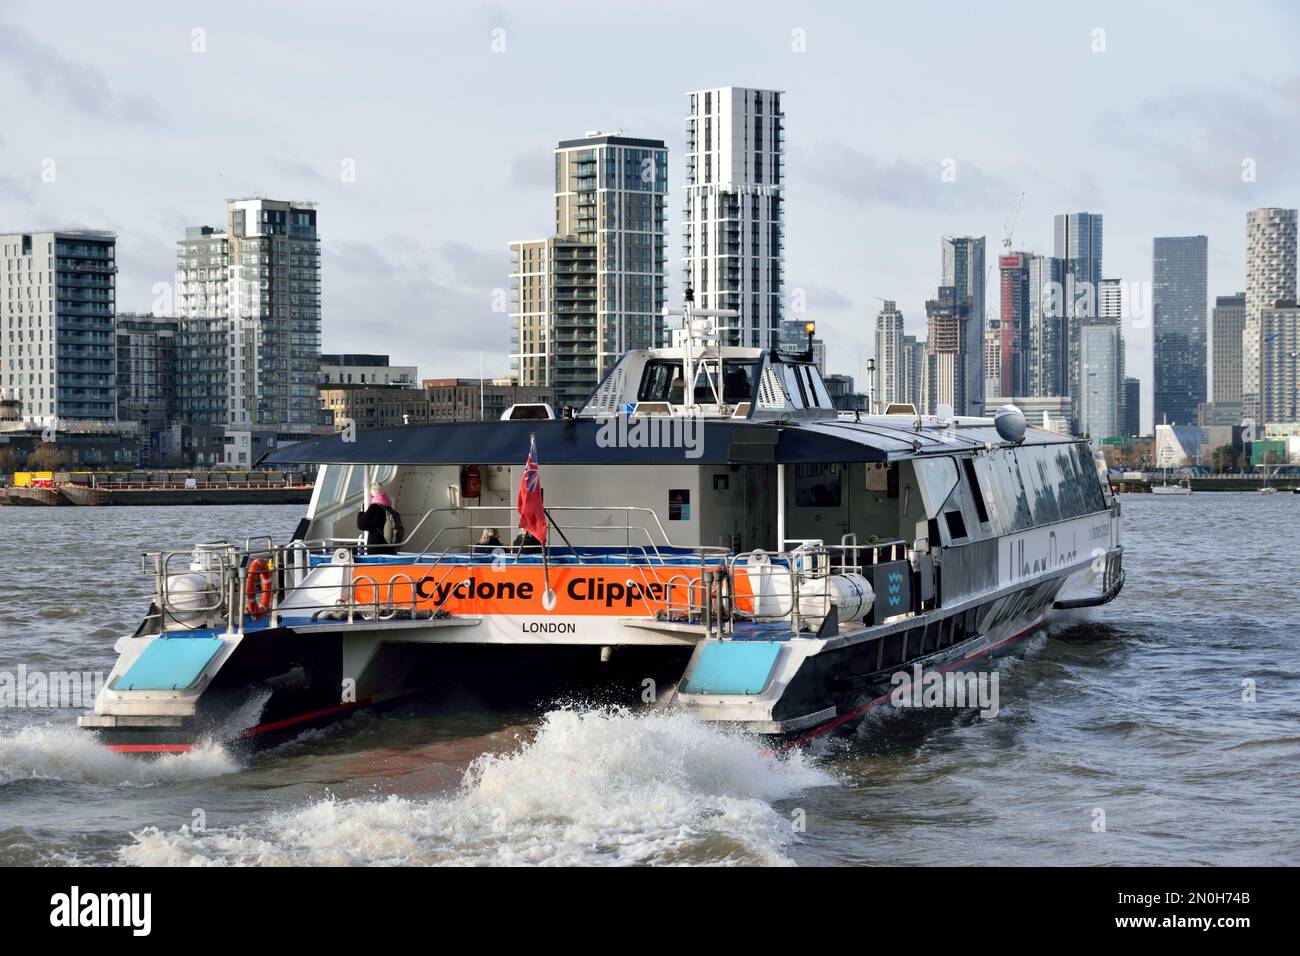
[(380, 522)]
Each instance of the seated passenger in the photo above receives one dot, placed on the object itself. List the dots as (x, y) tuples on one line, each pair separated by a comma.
[(489, 538), (526, 542), (736, 388)]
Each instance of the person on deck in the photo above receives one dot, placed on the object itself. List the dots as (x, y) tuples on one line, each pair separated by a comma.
[(526, 542), (373, 519)]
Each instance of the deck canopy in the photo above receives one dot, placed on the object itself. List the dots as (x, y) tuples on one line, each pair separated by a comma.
[(586, 441)]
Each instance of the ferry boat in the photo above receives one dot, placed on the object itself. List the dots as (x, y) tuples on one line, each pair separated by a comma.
[(719, 539)]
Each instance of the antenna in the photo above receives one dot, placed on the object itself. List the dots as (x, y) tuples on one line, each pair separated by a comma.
[(702, 328)]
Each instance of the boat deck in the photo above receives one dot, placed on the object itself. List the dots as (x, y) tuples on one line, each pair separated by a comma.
[(768, 631), (556, 556)]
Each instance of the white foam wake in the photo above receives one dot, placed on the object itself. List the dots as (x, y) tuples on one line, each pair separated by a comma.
[(53, 752), (593, 786)]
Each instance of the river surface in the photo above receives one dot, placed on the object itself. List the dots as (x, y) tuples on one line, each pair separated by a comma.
[(1161, 729)]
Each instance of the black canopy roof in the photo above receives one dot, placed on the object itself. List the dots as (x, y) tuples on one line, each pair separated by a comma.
[(579, 442)]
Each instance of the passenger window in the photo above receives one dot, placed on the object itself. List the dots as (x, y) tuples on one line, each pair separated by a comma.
[(817, 486), (332, 484), (340, 483), (937, 478), (356, 478), (981, 508)]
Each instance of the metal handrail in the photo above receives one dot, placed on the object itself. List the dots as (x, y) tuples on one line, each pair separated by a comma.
[(163, 574), (627, 527), (821, 567), (292, 565)]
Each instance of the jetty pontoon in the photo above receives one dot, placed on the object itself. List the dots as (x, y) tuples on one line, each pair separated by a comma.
[(720, 539)]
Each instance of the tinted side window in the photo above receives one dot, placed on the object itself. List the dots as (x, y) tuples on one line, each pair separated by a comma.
[(981, 508), (738, 381), (661, 382)]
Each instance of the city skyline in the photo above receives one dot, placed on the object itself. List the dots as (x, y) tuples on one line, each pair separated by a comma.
[(414, 258)]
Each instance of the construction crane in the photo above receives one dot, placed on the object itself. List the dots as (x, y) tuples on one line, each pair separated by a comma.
[(1009, 228)]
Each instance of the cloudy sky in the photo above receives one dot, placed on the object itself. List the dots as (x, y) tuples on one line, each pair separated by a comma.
[(147, 116)]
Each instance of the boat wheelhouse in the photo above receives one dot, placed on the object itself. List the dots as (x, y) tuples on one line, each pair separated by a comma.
[(720, 539)]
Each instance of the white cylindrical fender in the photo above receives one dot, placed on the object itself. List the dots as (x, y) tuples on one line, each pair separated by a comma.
[(769, 585), (299, 563), (190, 596), (849, 594)]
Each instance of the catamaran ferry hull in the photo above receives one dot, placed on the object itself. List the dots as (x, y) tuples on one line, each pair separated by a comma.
[(765, 562), (269, 684), (277, 684)]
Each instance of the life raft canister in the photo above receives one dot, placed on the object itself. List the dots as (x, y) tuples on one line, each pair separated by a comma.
[(257, 588), (471, 482)]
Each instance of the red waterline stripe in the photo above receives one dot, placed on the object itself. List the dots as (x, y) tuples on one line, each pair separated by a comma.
[(310, 715), (151, 748), (840, 721)]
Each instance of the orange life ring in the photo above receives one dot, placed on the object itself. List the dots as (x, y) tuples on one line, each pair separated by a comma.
[(257, 588)]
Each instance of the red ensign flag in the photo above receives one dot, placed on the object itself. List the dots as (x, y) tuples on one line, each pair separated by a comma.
[(529, 504)]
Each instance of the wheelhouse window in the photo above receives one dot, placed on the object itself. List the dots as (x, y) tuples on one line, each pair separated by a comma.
[(817, 387), (794, 386), (738, 380), (662, 381), (705, 390), (804, 386)]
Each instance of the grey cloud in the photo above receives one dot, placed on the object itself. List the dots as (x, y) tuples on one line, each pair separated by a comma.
[(478, 268), (820, 298), (48, 74), (495, 16), (431, 306), (297, 169), (15, 190), (862, 179), (1205, 134), (359, 257), (533, 170)]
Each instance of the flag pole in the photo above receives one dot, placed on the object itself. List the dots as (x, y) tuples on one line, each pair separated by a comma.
[(548, 596)]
